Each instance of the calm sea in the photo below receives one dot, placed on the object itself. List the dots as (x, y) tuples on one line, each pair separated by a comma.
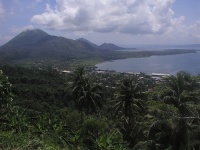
[(169, 64)]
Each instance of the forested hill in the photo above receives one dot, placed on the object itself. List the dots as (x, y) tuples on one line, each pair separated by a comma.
[(111, 46), (105, 46), (37, 44), (84, 110)]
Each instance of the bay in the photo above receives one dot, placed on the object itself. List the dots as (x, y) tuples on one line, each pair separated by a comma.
[(169, 64)]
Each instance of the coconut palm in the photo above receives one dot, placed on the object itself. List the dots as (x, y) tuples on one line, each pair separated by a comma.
[(176, 122), (78, 82), (128, 106), (88, 97), (181, 92), (91, 98), (173, 132), (5, 100), (5, 92), (78, 75), (128, 100)]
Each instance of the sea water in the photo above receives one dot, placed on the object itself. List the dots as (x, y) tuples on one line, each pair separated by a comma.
[(169, 64)]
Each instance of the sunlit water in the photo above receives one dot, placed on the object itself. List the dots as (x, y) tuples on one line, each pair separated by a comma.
[(169, 64)]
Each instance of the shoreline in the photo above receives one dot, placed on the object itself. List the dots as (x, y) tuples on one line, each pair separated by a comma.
[(176, 66)]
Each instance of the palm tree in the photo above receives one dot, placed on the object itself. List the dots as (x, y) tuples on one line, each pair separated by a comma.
[(181, 93), (78, 81), (5, 92), (172, 132), (88, 97), (91, 98), (128, 105), (5, 100), (128, 100), (176, 122), (78, 76)]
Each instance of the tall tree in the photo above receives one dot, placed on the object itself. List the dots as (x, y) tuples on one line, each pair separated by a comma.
[(176, 122), (88, 97), (181, 92), (128, 100), (128, 106), (5, 99), (5, 92), (91, 98)]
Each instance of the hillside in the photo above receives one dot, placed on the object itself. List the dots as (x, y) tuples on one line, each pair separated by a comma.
[(111, 46), (27, 38), (38, 44), (87, 41), (36, 47), (104, 46)]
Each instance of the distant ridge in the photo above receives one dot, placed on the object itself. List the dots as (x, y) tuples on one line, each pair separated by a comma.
[(87, 41), (27, 38), (105, 46), (37, 44), (111, 46)]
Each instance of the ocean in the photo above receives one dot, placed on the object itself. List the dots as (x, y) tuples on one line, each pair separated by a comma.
[(168, 64)]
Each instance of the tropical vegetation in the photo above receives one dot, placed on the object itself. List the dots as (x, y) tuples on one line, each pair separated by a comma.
[(87, 110)]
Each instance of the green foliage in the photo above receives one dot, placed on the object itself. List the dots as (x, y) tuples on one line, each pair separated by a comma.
[(9, 140), (5, 92), (37, 89), (88, 97), (110, 141), (99, 134), (128, 99), (135, 113), (37, 48), (174, 114), (5, 100)]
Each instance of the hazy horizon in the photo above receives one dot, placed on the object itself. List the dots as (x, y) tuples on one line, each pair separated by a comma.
[(138, 46)]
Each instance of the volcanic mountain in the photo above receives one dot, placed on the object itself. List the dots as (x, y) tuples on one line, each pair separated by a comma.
[(37, 44)]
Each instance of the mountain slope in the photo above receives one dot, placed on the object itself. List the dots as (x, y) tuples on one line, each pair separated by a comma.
[(110, 46), (38, 44), (104, 46), (87, 41), (27, 38)]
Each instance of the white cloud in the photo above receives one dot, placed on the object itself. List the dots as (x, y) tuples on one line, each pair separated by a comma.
[(125, 16), (195, 29), (20, 29)]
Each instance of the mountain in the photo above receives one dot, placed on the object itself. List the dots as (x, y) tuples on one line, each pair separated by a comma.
[(87, 41), (27, 38), (105, 46), (39, 44), (110, 46)]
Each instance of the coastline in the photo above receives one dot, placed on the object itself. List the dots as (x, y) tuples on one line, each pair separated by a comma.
[(153, 64)]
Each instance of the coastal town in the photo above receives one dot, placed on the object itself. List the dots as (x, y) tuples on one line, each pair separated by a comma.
[(108, 78)]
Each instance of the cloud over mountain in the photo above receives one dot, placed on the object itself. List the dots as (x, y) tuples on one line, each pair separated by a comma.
[(124, 16)]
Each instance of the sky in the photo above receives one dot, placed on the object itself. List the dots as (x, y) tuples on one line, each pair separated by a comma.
[(122, 22)]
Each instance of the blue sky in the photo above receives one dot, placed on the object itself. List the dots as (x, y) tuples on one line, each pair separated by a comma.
[(122, 22)]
